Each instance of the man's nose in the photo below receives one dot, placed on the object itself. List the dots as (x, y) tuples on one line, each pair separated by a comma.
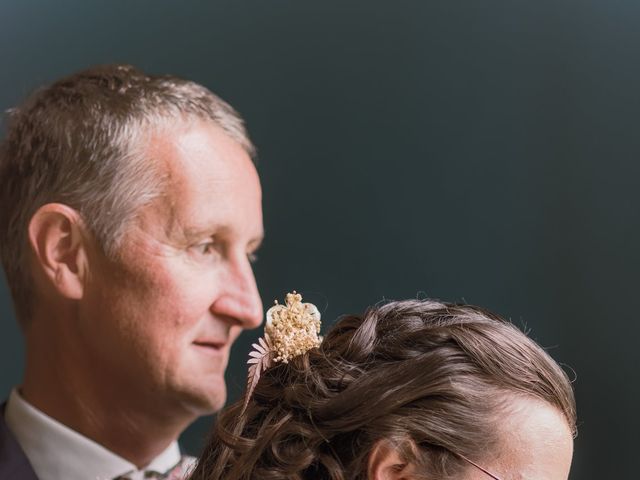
[(239, 299)]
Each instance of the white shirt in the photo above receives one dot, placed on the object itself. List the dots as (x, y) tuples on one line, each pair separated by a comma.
[(58, 453)]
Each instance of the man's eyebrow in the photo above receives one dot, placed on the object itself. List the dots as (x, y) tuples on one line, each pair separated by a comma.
[(194, 233)]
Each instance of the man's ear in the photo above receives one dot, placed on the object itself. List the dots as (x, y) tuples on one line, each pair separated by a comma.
[(56, 236), (385, 463)]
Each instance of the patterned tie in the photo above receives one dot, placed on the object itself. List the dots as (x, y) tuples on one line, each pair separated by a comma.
[(178, 472)]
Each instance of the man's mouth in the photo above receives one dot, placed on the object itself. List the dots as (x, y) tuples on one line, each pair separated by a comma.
[(210, 347)]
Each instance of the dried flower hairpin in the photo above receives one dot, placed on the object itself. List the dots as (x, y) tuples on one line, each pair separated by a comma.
[(290, 330)]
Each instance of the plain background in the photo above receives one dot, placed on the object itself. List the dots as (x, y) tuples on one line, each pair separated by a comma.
[(478, 151)]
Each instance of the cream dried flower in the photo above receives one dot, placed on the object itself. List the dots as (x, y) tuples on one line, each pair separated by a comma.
[(291, 330)]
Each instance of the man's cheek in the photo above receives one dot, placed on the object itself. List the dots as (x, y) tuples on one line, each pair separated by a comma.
[(234, 333)]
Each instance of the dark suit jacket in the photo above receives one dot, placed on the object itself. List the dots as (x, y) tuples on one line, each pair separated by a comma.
[(13, 462)]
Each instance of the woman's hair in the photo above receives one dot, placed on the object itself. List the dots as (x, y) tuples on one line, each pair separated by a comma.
[(431, 378)]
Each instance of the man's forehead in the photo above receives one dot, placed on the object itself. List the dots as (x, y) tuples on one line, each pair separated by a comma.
[(209, 185), (192, 144)]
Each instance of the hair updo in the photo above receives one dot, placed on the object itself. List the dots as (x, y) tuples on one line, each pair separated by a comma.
[(417, 373)]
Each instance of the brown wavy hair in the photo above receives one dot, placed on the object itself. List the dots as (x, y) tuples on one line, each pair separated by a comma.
[(429, 377)]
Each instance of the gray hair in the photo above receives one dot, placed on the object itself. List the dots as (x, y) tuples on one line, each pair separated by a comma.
[(78, 142)]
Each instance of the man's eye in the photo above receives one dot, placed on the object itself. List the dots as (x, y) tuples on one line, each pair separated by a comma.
[(253, 258), (206, 248)]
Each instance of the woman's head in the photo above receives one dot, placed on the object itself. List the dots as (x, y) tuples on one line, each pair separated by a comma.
[(413, 389)]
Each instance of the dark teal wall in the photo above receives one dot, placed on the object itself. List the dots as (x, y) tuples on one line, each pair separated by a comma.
[(484, 151)]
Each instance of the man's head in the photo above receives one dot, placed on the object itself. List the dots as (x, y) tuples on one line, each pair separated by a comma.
[(135, 209)]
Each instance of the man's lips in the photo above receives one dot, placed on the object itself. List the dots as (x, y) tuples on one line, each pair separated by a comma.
[(211, 345)]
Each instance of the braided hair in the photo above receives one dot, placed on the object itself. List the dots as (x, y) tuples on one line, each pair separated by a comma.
[(431, 378)]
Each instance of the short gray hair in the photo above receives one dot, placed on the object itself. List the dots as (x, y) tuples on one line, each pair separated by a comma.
[(77, 142)]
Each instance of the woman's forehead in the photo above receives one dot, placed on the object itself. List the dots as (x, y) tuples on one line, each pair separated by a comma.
[(537, 442)]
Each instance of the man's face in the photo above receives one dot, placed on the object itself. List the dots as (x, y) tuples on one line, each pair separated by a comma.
[(161, 318)]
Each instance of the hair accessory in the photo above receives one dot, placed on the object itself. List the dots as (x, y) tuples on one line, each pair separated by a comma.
[(290, 330)]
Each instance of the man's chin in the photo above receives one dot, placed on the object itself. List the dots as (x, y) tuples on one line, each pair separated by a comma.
[(203, 402)]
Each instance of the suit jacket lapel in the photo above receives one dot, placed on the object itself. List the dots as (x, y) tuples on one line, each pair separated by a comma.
[(13, 462)]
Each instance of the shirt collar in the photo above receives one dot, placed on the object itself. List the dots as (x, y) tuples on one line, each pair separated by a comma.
[(55, 451)]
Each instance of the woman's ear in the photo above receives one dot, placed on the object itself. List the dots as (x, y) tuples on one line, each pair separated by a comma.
[(59, 247), (385, 463)]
